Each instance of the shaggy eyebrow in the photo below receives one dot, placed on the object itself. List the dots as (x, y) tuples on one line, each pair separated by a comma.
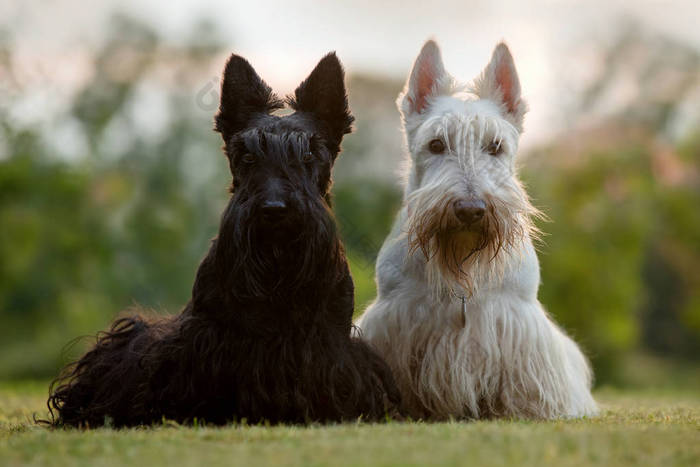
[(477, 131)]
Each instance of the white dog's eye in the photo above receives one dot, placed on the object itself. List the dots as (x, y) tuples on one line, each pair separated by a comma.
[(436, 146), (495, 148)]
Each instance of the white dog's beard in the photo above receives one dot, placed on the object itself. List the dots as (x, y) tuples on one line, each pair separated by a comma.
[(458, 260)]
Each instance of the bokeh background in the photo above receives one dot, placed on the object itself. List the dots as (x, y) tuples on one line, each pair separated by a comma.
[(112, 180)]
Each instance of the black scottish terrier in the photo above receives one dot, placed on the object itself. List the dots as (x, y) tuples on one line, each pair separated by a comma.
[(266, 334)]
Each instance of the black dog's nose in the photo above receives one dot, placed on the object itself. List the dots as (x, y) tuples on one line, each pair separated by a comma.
[(273, 209), (470, 212)]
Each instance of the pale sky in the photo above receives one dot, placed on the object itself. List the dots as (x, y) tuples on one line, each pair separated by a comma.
[(549, 39)]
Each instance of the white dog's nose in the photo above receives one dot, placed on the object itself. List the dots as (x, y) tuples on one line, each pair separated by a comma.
[(469, 211)]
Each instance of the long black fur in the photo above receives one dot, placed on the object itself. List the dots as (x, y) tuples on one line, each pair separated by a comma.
[(266, 334)]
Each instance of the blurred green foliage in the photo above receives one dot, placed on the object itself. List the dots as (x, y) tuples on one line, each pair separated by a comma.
[(365, 210), (123, 224), (612, 226), (126, 218)]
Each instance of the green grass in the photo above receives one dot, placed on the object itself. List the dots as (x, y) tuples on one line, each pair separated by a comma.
[(635, 428)]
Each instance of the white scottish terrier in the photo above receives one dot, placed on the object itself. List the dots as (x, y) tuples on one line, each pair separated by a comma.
[(457, 316)]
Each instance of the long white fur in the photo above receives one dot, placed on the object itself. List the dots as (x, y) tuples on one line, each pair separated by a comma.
[(505, 357)]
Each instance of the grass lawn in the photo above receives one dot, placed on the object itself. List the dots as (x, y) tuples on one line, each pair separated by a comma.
[(635, 428)]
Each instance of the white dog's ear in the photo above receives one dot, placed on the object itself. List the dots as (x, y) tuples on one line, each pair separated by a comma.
[(426, 80), (499, 82)]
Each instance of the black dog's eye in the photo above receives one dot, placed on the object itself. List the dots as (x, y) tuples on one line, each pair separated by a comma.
[(495, 148), (308, 157), (436, 146), (248, 158)]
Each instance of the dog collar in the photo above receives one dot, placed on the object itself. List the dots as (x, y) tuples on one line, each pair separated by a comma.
[(463, 298)]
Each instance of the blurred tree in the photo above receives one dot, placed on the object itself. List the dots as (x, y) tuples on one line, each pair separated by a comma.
[(365, 210), (671, 318), (593, 251), (125, 223), (621, 263)]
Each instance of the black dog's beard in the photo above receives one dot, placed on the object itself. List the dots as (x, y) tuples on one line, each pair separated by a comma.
[(269, 261)]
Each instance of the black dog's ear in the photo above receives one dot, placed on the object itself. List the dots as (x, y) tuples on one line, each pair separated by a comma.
[(243, 95), (323, 95)]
